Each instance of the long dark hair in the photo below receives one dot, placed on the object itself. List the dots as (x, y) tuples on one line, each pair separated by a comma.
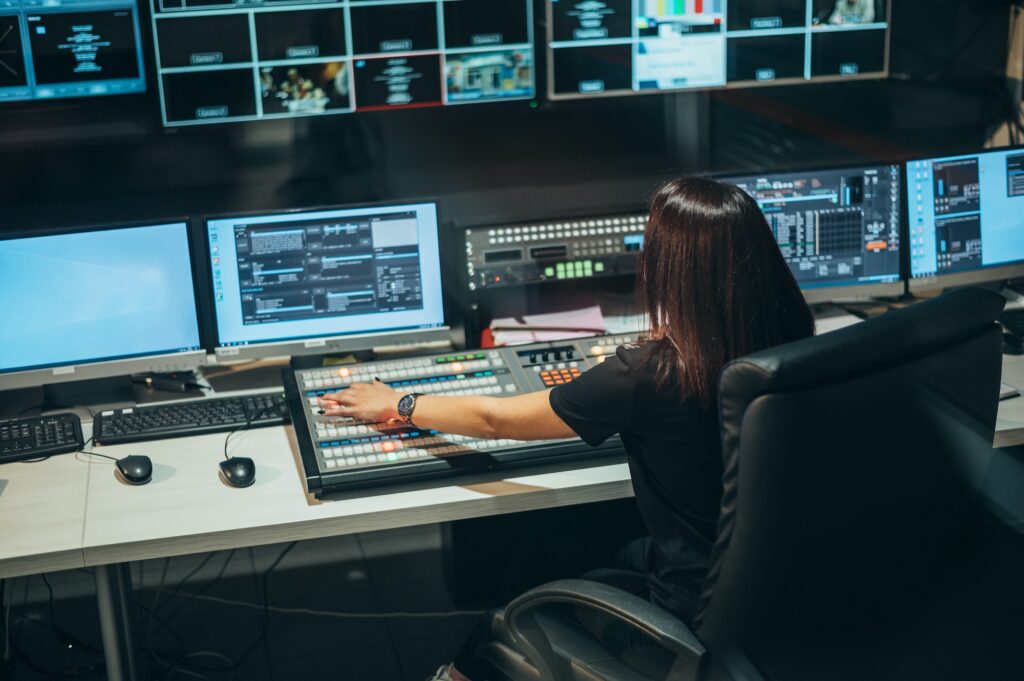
[(714, 283)]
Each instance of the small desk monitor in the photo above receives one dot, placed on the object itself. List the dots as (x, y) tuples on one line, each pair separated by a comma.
[(97, 303), (329, 280), (838, 229), (966, 219)]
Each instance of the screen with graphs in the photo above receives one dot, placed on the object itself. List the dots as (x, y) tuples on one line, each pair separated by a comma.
[(835, 227), (617, 47), (234, 61)]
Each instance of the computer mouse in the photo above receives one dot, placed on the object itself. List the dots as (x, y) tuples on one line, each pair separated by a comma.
[(135, 469), (238, 471)]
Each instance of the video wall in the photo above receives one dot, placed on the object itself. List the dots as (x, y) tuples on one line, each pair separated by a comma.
[(241, 60), (619, 47), (226, 61)]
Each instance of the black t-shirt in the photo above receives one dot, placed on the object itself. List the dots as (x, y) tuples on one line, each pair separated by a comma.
[(675, 461)]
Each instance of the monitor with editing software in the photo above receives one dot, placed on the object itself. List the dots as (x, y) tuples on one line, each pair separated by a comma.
[(97, 303), (319, 281), (839, 230), (966, 219)]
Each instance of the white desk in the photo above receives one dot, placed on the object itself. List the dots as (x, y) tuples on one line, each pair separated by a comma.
[(1010, 420), (42, 515), (187, 509)]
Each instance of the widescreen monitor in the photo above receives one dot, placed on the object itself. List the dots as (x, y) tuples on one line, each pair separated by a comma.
[(97, 303), (966, 218), (838, 229), (319, 281)]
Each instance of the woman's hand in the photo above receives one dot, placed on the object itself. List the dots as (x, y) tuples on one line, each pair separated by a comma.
[(375, 402)]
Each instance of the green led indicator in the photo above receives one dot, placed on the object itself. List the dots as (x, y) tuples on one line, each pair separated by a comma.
[(549, 271), (599, 266)]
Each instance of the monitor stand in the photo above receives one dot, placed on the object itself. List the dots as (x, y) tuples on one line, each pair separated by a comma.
[(90, 392)]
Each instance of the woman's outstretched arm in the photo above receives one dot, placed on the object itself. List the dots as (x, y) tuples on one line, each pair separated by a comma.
[(522, 417)]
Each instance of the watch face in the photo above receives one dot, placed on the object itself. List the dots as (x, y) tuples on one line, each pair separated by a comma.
[(405, 405)]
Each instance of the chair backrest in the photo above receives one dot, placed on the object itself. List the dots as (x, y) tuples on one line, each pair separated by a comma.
[(842, 485)]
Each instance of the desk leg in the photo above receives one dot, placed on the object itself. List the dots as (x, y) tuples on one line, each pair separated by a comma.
[(114, 597)]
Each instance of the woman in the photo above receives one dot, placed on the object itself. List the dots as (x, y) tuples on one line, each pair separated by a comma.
[(715, 287)]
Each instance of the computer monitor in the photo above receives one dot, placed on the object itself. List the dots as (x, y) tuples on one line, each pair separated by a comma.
[(966, 219), (96, 303), (53, 49), (320, 281), (839, 230)]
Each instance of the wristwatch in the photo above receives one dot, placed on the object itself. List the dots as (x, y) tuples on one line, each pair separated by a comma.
[(407, 405)]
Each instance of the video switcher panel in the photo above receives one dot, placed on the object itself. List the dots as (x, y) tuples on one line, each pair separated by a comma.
[(553, 250), (339, 453)]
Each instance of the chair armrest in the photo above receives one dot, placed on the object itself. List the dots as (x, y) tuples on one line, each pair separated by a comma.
[(661, 626)]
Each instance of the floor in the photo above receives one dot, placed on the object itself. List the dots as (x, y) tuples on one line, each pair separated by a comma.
[(388, 606)]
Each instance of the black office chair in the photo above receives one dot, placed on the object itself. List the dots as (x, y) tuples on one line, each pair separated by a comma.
[(839, 552)]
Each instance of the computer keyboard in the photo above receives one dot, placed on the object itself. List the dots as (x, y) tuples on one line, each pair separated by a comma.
[(180, 419), (38, 436)]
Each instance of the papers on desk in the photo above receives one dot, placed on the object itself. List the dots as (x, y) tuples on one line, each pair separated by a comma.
[(540, 328)]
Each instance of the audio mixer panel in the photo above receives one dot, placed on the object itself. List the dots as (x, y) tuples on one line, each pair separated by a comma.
[(340, 453), (535, 252)]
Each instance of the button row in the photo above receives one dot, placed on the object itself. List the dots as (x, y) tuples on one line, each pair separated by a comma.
[(347, 376), (379, 452), (630, 220), (529, 237)]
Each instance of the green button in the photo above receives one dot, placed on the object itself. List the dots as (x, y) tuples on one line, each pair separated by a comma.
[(549, 271), (599, 266), (578, 266), (561, 266)]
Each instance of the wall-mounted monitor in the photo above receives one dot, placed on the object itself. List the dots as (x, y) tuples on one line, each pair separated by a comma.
[(320, 281), (97, 303), (838, 229), (622, 47), (52, 49), (222, 60), (966, 219)]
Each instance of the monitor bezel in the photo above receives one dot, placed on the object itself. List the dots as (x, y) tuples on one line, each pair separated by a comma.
[(324, 345), (980, 275), (109, 367), (854, 291)]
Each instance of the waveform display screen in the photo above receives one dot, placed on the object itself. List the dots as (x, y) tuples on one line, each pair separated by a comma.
[(967, 213), (834, 227), (235, 61), (619, 47), (51, 49)]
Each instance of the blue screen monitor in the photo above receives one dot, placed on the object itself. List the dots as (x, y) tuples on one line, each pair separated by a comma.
[(96, 303), (966, 219), (319, 281), (838, 229)]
